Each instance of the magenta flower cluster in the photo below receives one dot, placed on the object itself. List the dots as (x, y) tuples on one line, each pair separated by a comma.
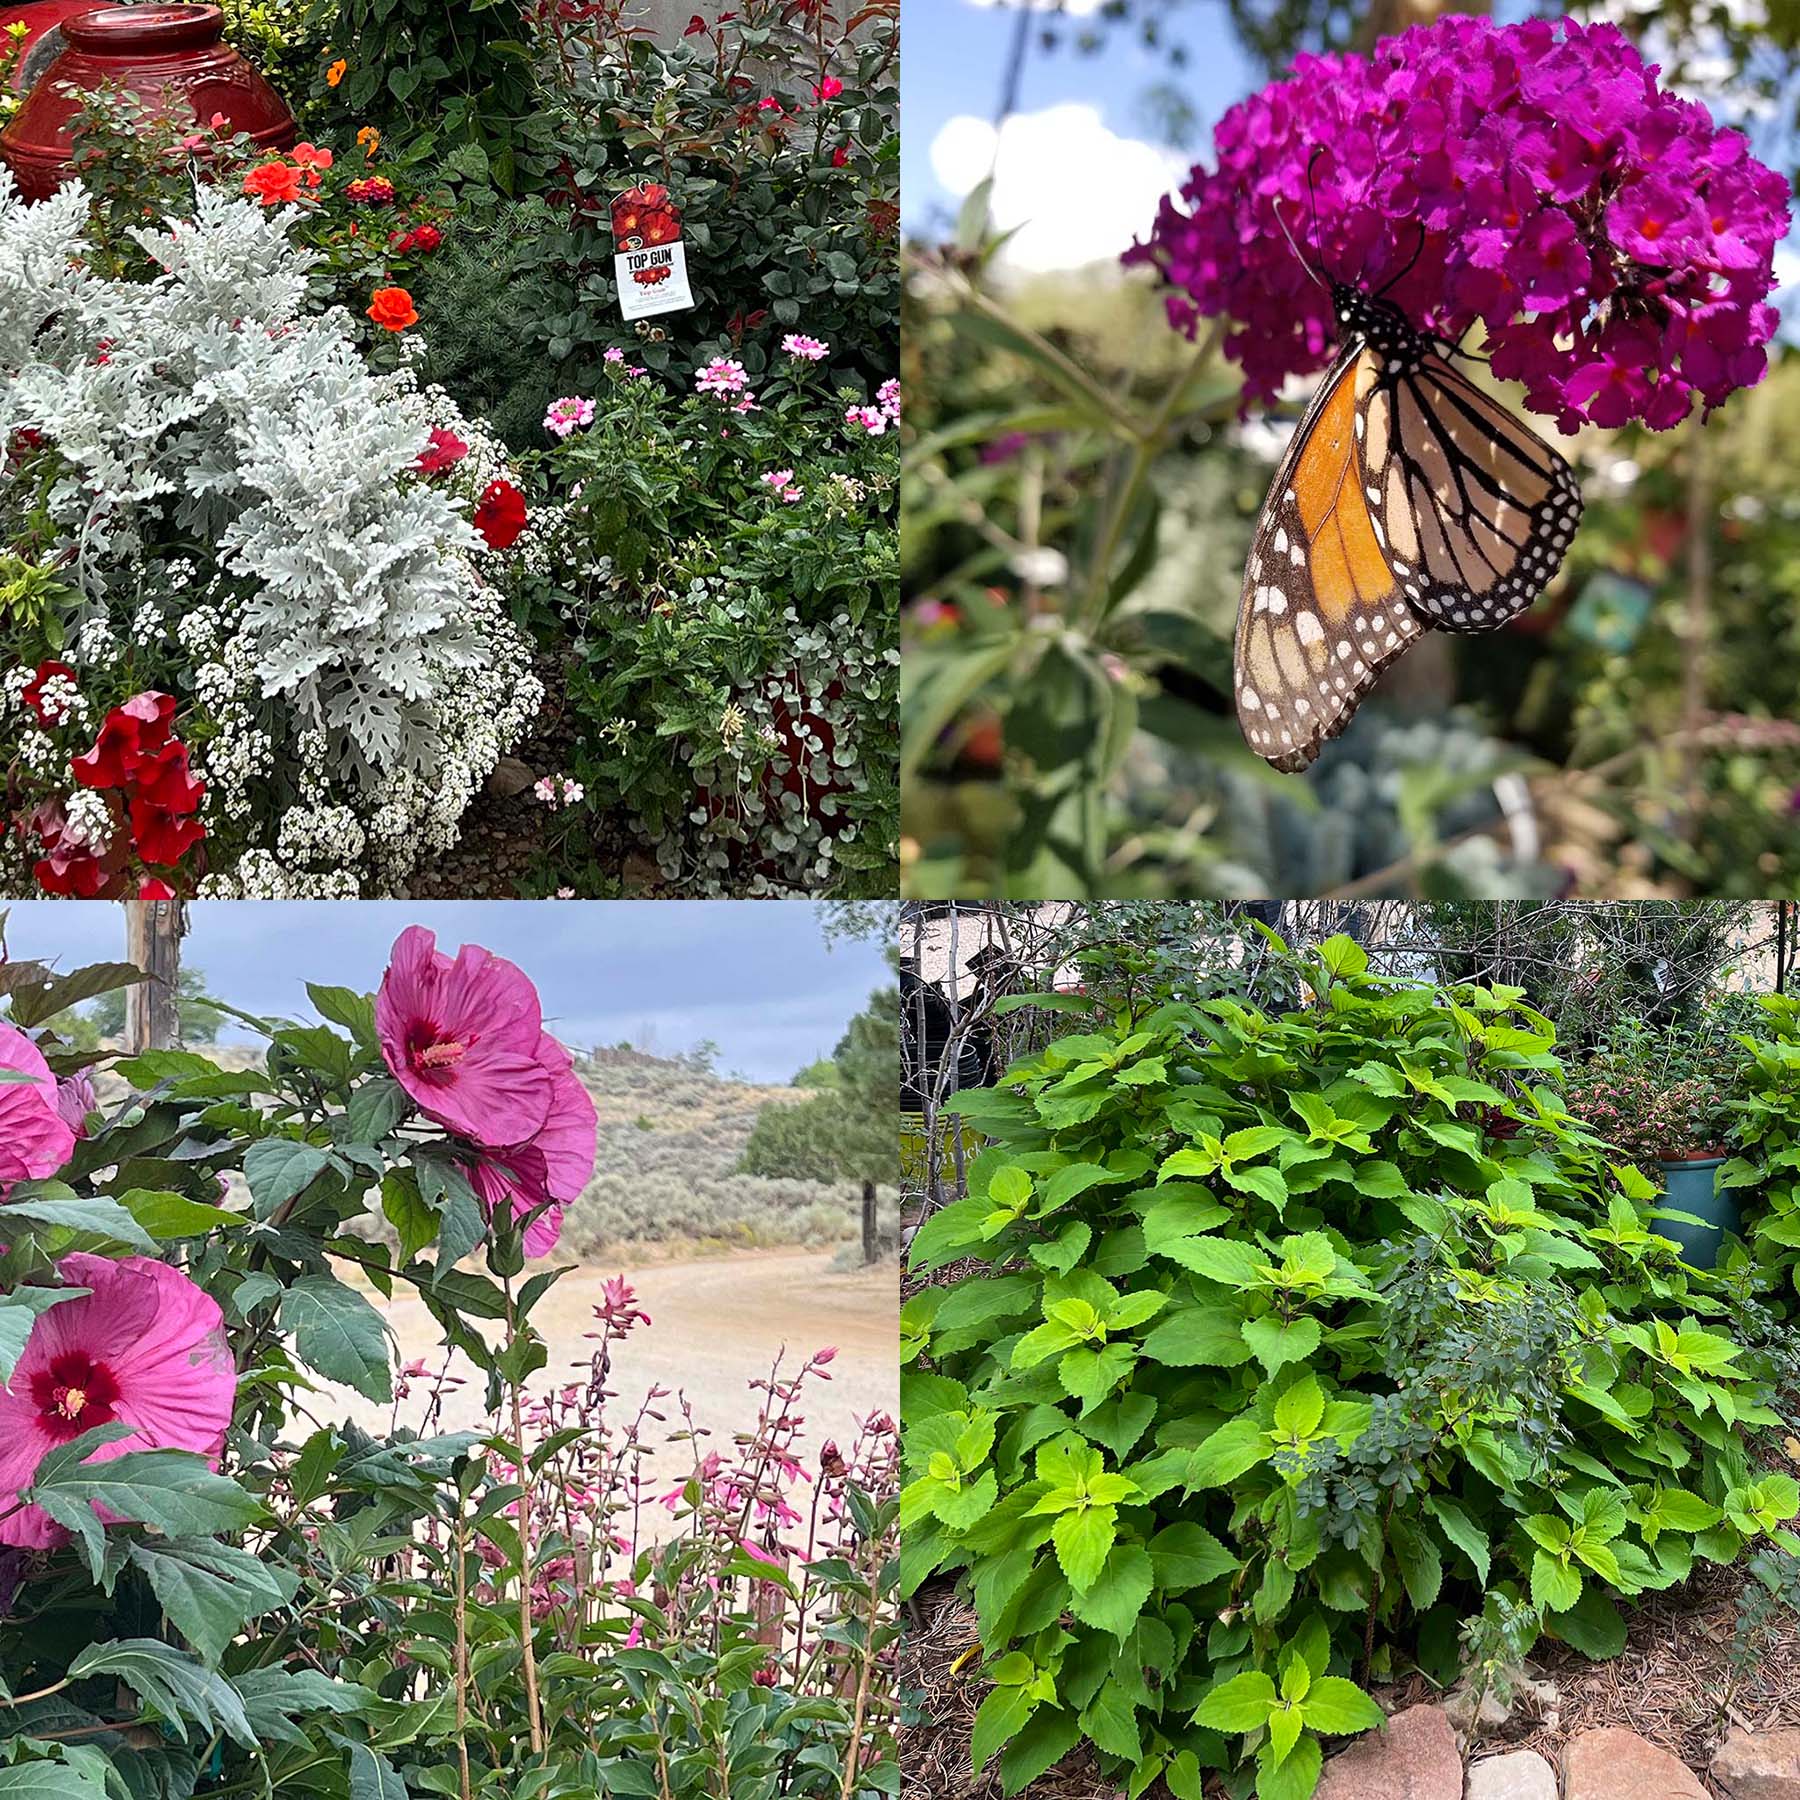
[(1617, 245)]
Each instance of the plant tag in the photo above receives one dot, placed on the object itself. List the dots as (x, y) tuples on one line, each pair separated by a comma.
[(650, 262)]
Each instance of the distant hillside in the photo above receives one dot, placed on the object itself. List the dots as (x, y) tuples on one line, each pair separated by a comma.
[(670, 1137)]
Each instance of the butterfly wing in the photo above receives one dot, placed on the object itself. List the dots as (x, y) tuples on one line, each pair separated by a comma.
[(1473, 509), (1321, 612)]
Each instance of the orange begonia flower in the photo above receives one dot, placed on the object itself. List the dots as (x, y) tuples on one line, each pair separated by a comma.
[(392, 309)]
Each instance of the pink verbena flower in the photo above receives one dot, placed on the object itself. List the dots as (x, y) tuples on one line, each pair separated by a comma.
[(721, 376), (871, 418), (145, 1347), (462, 1039), (887, 396), (777, 478), (543, 1173), (1616, 244), (36, 1139), (566, 416), (805, 349)]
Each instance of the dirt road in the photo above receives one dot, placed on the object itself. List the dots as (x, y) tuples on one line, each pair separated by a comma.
[(717, 1324)]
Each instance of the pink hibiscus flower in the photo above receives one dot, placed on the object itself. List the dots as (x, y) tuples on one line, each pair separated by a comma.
[(462, 1039), (35, 1139), (553, 1167), (145, 1347)]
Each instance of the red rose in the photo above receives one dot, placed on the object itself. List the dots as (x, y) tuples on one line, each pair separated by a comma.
[(500, 517)]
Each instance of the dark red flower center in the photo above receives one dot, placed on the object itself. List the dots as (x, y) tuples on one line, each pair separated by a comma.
[(74, 1395), (432, 1053)]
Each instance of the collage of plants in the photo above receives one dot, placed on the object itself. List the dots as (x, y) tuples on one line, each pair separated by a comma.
[(873, 942)]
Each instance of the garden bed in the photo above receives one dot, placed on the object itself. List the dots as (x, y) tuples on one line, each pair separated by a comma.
[(460, 504)]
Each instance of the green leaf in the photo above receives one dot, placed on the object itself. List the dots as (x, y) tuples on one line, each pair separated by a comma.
[(1555, 1587), (1083, 1538), (96, 1216), (1195, 1335), (166, 1216), (344, 1006), (1593, 1626), (1462, 1531), (1299, 1411), (173, 1683), (338, 1333), (1416, 1555), (375, 1109), (173, 1490), (1338, 1707), (373, 1777), (1048, 1737), (1117, 1596), (1111, 1721), (1343, 955), (999, 1719), (1276, 1344), (210, 1590), (1063, 1186), (1233, 1450), (1295, 1779), (1184, 1555), (19, 1312), (51, 1781), (1223, 1260), (278, 1169), (1241, 1704)]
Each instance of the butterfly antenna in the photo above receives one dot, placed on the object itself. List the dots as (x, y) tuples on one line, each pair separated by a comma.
[(1313, 201), (1394, 281), (1312, 274)]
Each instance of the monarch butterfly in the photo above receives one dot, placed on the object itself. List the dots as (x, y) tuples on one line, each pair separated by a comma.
[(1407, 498)]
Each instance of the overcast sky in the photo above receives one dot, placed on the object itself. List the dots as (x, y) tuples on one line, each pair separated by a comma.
[(754, 976)]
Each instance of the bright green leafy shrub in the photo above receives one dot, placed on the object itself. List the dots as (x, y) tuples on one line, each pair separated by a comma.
[(1766, 1105), (1286, 1349)]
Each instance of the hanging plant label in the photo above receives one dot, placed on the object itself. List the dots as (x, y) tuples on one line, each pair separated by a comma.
[(650, 259)]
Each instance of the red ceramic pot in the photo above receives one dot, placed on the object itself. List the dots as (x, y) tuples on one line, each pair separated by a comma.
[(175, 57), (42, 20)]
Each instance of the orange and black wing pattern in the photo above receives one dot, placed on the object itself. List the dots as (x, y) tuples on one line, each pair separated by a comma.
[(1322, 613), (1476, 510)]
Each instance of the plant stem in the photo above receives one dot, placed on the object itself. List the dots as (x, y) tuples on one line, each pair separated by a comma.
[(533, 1704)]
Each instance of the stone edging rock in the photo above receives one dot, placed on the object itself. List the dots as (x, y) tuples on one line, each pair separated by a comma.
[(1417, 1757)]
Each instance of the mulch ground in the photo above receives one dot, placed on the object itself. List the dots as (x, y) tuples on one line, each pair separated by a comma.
[(507, 845), (1674, 1685)]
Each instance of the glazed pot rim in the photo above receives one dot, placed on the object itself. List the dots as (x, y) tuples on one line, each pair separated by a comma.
[(113, 29)]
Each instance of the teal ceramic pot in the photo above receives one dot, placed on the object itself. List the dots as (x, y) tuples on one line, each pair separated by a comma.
[(1692, 1187)]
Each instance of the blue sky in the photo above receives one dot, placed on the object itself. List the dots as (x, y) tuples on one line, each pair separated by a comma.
[(756, 977), (1081, 171)]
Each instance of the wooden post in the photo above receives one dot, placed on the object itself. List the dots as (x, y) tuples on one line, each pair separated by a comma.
[(153, 933), (871, 1225)]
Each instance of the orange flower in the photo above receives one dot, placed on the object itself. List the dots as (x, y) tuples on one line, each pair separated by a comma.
[(392, 309), (310, 156), (370, 140), (274, 184), (336, 72)]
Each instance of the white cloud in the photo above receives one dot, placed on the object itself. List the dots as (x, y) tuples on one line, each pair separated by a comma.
[(1077, 192)]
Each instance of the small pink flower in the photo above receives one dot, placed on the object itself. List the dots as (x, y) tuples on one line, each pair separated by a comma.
[(828, 89), (778, 478), (614, 356), (805, 349), (871, 418), (619, 1305), (723, 375), (145, 1347), (567, 415), (747, 405), (888, 397)]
